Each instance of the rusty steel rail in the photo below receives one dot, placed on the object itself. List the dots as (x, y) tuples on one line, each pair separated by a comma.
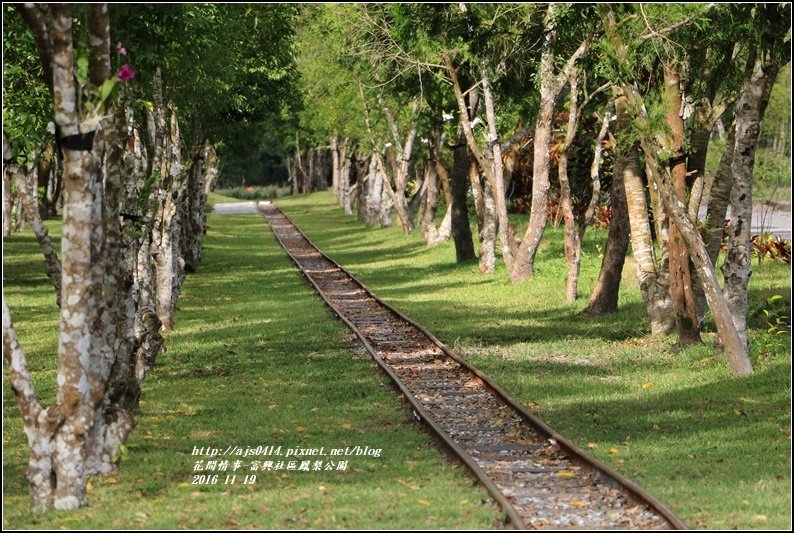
[(393, 362)]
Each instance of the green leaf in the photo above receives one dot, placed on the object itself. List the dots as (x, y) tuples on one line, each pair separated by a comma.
[(107, 88), (82, 70)]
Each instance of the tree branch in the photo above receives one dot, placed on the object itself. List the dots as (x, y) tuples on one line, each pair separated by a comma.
[(41, 34), (673, 27), (18, 374)]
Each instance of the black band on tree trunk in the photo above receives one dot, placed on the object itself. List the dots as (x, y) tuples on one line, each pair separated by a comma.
[(81, 142)]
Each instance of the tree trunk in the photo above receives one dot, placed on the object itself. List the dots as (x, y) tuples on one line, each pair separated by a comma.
[(604, 299), (551, 89), (346, 156), (401, 166), (298, 186), (653, 287), (477, 195), (167, 164), (459, 183), (735, 349), (749, 111), (696, 164), (147, 325), (335, 169), (712, 229), (573, 237), (433, 171), (525, 259), (80, 435), (8, 201), (427, 211), (680, 275), (488, 233), (374, 191), (39, 423), (495, 178)]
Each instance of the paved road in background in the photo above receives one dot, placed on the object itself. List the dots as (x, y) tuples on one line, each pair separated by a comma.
[(775, 219)]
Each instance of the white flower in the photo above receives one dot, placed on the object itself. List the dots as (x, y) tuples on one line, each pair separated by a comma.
[(425, 140), (387, 145), (447, 116)]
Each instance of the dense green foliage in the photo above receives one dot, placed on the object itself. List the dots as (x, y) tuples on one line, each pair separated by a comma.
[(229, 68), (27, 106)]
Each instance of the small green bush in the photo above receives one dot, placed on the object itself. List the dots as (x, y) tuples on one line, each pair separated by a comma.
[(268, 192)]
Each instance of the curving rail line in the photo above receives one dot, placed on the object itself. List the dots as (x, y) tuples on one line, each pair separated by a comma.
[(540, 479)]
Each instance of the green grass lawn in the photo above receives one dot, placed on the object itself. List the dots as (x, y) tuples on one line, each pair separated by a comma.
[(716, 449), (256, 359)]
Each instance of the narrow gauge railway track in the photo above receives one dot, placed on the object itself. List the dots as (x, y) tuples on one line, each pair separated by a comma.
[(540, 479)]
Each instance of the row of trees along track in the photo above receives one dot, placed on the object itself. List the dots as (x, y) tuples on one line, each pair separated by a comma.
[(540, 479), (570, 112), (532, 104), (132, 192)]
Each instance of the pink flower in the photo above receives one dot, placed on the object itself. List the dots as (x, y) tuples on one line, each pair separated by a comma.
[(125, 73), (120, 49)]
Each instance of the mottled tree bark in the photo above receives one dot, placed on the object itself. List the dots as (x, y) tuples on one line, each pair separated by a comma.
[(195, 216), (573, 238), (39, 423), (436, 177), (696, 163), (167, 164), (212, 164), (477, 195), (298, 185), (749, 111), (372, 193), (490, 164), (488, 232), (496, 179), (79, 299)]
